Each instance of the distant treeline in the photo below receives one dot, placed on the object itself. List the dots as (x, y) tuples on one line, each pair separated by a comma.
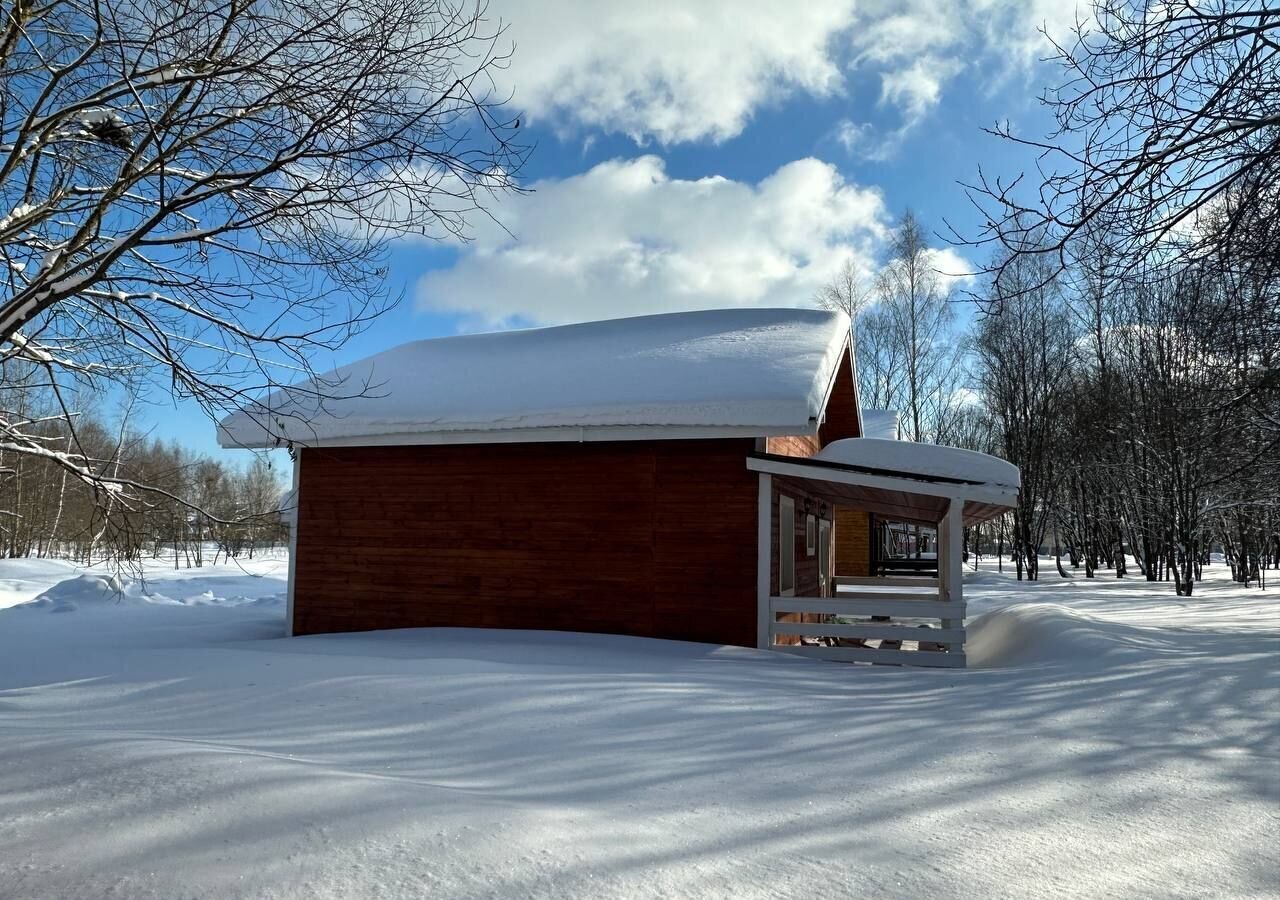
[(1142, 409), (190, 504), (1141, 405)]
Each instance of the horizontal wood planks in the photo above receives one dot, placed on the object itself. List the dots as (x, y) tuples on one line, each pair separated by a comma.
[(802, 445), (847, 606), (872, 631), (933, 659), (840, 419), (852, 541), (644, 538), (907, 581)]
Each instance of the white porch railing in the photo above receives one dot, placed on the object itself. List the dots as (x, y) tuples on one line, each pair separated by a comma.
[(908, 581), (846, 624), (890, 611)]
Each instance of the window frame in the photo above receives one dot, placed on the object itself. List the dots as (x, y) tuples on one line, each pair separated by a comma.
[(786, 554), (826, 573)]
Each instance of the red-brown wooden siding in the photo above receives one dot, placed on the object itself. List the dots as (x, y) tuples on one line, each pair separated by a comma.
[(649, 538), (645, 538), (803, 445), (841, 418)]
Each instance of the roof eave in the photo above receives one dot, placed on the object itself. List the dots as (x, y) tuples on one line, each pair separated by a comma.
[(534, 435), (895, 479)]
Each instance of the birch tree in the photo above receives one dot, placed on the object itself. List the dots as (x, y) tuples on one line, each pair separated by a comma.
[(917, 319)]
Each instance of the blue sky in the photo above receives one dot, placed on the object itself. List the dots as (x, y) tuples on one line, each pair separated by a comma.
[(717, 154)]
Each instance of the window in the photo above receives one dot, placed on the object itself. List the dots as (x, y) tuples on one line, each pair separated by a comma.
[(786, 546), (810, 535)]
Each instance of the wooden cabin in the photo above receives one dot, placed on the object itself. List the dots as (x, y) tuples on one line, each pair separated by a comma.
[(660, 476)]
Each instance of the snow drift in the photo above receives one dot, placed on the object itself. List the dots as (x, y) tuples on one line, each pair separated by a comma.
[(90, 591), (191, 751), (83, 590), (1026, 633)]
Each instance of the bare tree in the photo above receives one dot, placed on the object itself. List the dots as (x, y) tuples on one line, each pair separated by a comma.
[(1157, 200), (881, 360), (202, 193), (918, 318), (193, 502), (880, 372), (848, 291), (1025, 353), (909, 356), (1165, 109)]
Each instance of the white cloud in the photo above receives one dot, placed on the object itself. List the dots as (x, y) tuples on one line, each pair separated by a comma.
[(670, 71), (917, 47), (1019, 31), (952, 265), (625, 238), (917, 88), (678, 71), (863, 140)]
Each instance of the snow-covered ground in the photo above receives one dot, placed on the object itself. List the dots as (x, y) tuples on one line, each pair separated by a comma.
[(55, 582), (1114, 741)]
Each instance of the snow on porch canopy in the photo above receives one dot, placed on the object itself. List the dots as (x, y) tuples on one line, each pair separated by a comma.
[(764, 369), (902, 480), (923, 461)]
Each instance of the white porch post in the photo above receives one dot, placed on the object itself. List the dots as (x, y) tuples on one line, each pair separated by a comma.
[(764, 562), (293, 546), (951, 558)]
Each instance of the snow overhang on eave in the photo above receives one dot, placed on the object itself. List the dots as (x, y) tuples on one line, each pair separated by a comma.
[(549, 434), (757, 371)]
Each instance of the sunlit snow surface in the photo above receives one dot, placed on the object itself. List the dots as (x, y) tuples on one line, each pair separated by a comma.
[(1113, 741)]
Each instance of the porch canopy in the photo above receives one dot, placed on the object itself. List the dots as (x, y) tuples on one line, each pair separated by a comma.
[(942, 487)]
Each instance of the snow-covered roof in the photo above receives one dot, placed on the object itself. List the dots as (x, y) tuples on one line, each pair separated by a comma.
[(927, 460), (881, 423), (765, 369)]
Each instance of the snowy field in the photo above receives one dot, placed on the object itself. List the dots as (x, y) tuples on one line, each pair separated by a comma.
[(166, 742)]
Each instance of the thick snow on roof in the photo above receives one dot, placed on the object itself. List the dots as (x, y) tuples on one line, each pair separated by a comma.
[(765, 368), (923, 460), (881, 423)]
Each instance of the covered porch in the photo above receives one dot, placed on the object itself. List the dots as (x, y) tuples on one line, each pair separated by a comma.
[(808, 606)]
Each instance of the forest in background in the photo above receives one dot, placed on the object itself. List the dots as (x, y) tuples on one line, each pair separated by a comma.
[(1124, 343), (193, 507), (1141, 409)]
